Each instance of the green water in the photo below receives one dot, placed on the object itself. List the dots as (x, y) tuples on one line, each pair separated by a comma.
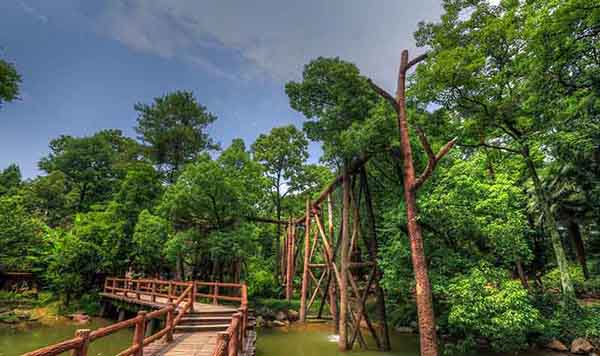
[(16, 342), (316, 340)]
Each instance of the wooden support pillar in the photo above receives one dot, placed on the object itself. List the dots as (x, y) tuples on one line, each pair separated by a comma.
[(344, 244), (223, 336), (82, 350), (306, 263), (170, 320), (289, 271), (138, 334), (215, 294), (121, 316)]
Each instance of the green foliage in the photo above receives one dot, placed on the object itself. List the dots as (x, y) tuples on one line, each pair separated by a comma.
[(151, 234), (10, 180), (174, 129), (72, 264), (21, 243), (333, 96), (260, 280), (9, 82), (488, 304)]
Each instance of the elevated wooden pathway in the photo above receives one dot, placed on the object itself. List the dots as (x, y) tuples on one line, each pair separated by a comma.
[(191, 327)]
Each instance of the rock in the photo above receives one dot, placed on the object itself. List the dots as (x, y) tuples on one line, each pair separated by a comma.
[(292, 315), (80, 318), (260, 322), (278, 323), (581, 346), (556, 345), (280, 316), (404, 329)]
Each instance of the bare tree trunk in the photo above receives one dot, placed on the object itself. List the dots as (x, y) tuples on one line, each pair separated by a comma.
[(575, 234), (427, 330), (552, 228)]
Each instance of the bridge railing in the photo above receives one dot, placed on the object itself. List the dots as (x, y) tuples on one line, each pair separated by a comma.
[(232, 341), (83, 337)]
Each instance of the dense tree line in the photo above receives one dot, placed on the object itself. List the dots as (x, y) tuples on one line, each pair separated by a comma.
[(503, 232)]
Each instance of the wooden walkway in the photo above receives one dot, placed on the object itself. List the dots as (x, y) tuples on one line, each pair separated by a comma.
[(190, 327)]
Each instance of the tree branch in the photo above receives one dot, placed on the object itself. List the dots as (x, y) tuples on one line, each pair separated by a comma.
[(433, 161), (416, 60), (384, 94), (502, 148)]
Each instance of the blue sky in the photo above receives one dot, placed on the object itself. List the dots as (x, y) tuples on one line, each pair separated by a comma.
[(85, 64)]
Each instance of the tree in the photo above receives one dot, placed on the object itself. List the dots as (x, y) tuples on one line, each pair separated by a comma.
[(150, 236), (479, 71), (209, 203), (174, 128), (21, 244), (93, 164), (10, 179), (282, 152), (50, 198), (412, 183), (9, 82)]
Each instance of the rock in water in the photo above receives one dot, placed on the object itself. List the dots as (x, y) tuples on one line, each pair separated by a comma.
[(280, 316), (556, 346), (292, 315), (581, 346)]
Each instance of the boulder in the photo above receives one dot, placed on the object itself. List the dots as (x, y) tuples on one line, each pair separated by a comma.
[(405, 329), (80, 318), (277, 323), (260, 322), (292, 315), (581, 346), (556, 345), (280, 316)]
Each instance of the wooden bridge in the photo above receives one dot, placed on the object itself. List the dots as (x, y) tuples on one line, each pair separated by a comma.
[(191, 327)]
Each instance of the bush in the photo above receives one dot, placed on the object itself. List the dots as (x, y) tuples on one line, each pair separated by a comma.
[(487, 304), (551, 280)]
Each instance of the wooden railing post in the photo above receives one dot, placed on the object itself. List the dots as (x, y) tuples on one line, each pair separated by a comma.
[(223, 336), (170, 326), (138, 335), (235, 338), (84, 334), (215, 294), (137, 289), (170, 292), (193, 295), (153, 291)]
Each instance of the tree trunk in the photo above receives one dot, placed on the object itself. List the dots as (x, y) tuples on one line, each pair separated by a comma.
[(575, 234), (522, 275), (343, 307), (373, 255), (427, 331), (552, 228)]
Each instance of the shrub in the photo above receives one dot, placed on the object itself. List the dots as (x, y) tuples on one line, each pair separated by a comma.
[(486, 304)]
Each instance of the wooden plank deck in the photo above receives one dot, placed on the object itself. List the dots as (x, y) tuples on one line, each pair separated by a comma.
[(188, 344)]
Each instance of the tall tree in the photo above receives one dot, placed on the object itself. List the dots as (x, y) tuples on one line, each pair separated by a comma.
[(282, 152), (174, 128), (10, 179), (479, 70), (9, 82), (93, 164), (412, 183)]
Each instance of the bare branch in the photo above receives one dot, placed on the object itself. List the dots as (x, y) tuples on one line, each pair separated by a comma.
[(432, 163), (425, 143), (383, 93), (502, 148), (416, 60)]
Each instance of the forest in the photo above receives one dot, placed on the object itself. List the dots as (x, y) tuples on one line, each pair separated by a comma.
[(483, 170)]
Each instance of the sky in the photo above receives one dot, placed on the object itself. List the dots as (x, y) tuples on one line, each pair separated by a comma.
[(86, 63)]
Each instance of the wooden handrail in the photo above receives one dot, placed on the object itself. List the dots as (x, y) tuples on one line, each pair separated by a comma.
[(183, 303)]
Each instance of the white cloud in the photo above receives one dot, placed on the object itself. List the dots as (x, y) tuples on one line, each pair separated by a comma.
[(271, 37), (32, 11)]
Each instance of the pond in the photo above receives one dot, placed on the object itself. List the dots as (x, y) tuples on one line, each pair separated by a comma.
[(15, 342), (316, 340)]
